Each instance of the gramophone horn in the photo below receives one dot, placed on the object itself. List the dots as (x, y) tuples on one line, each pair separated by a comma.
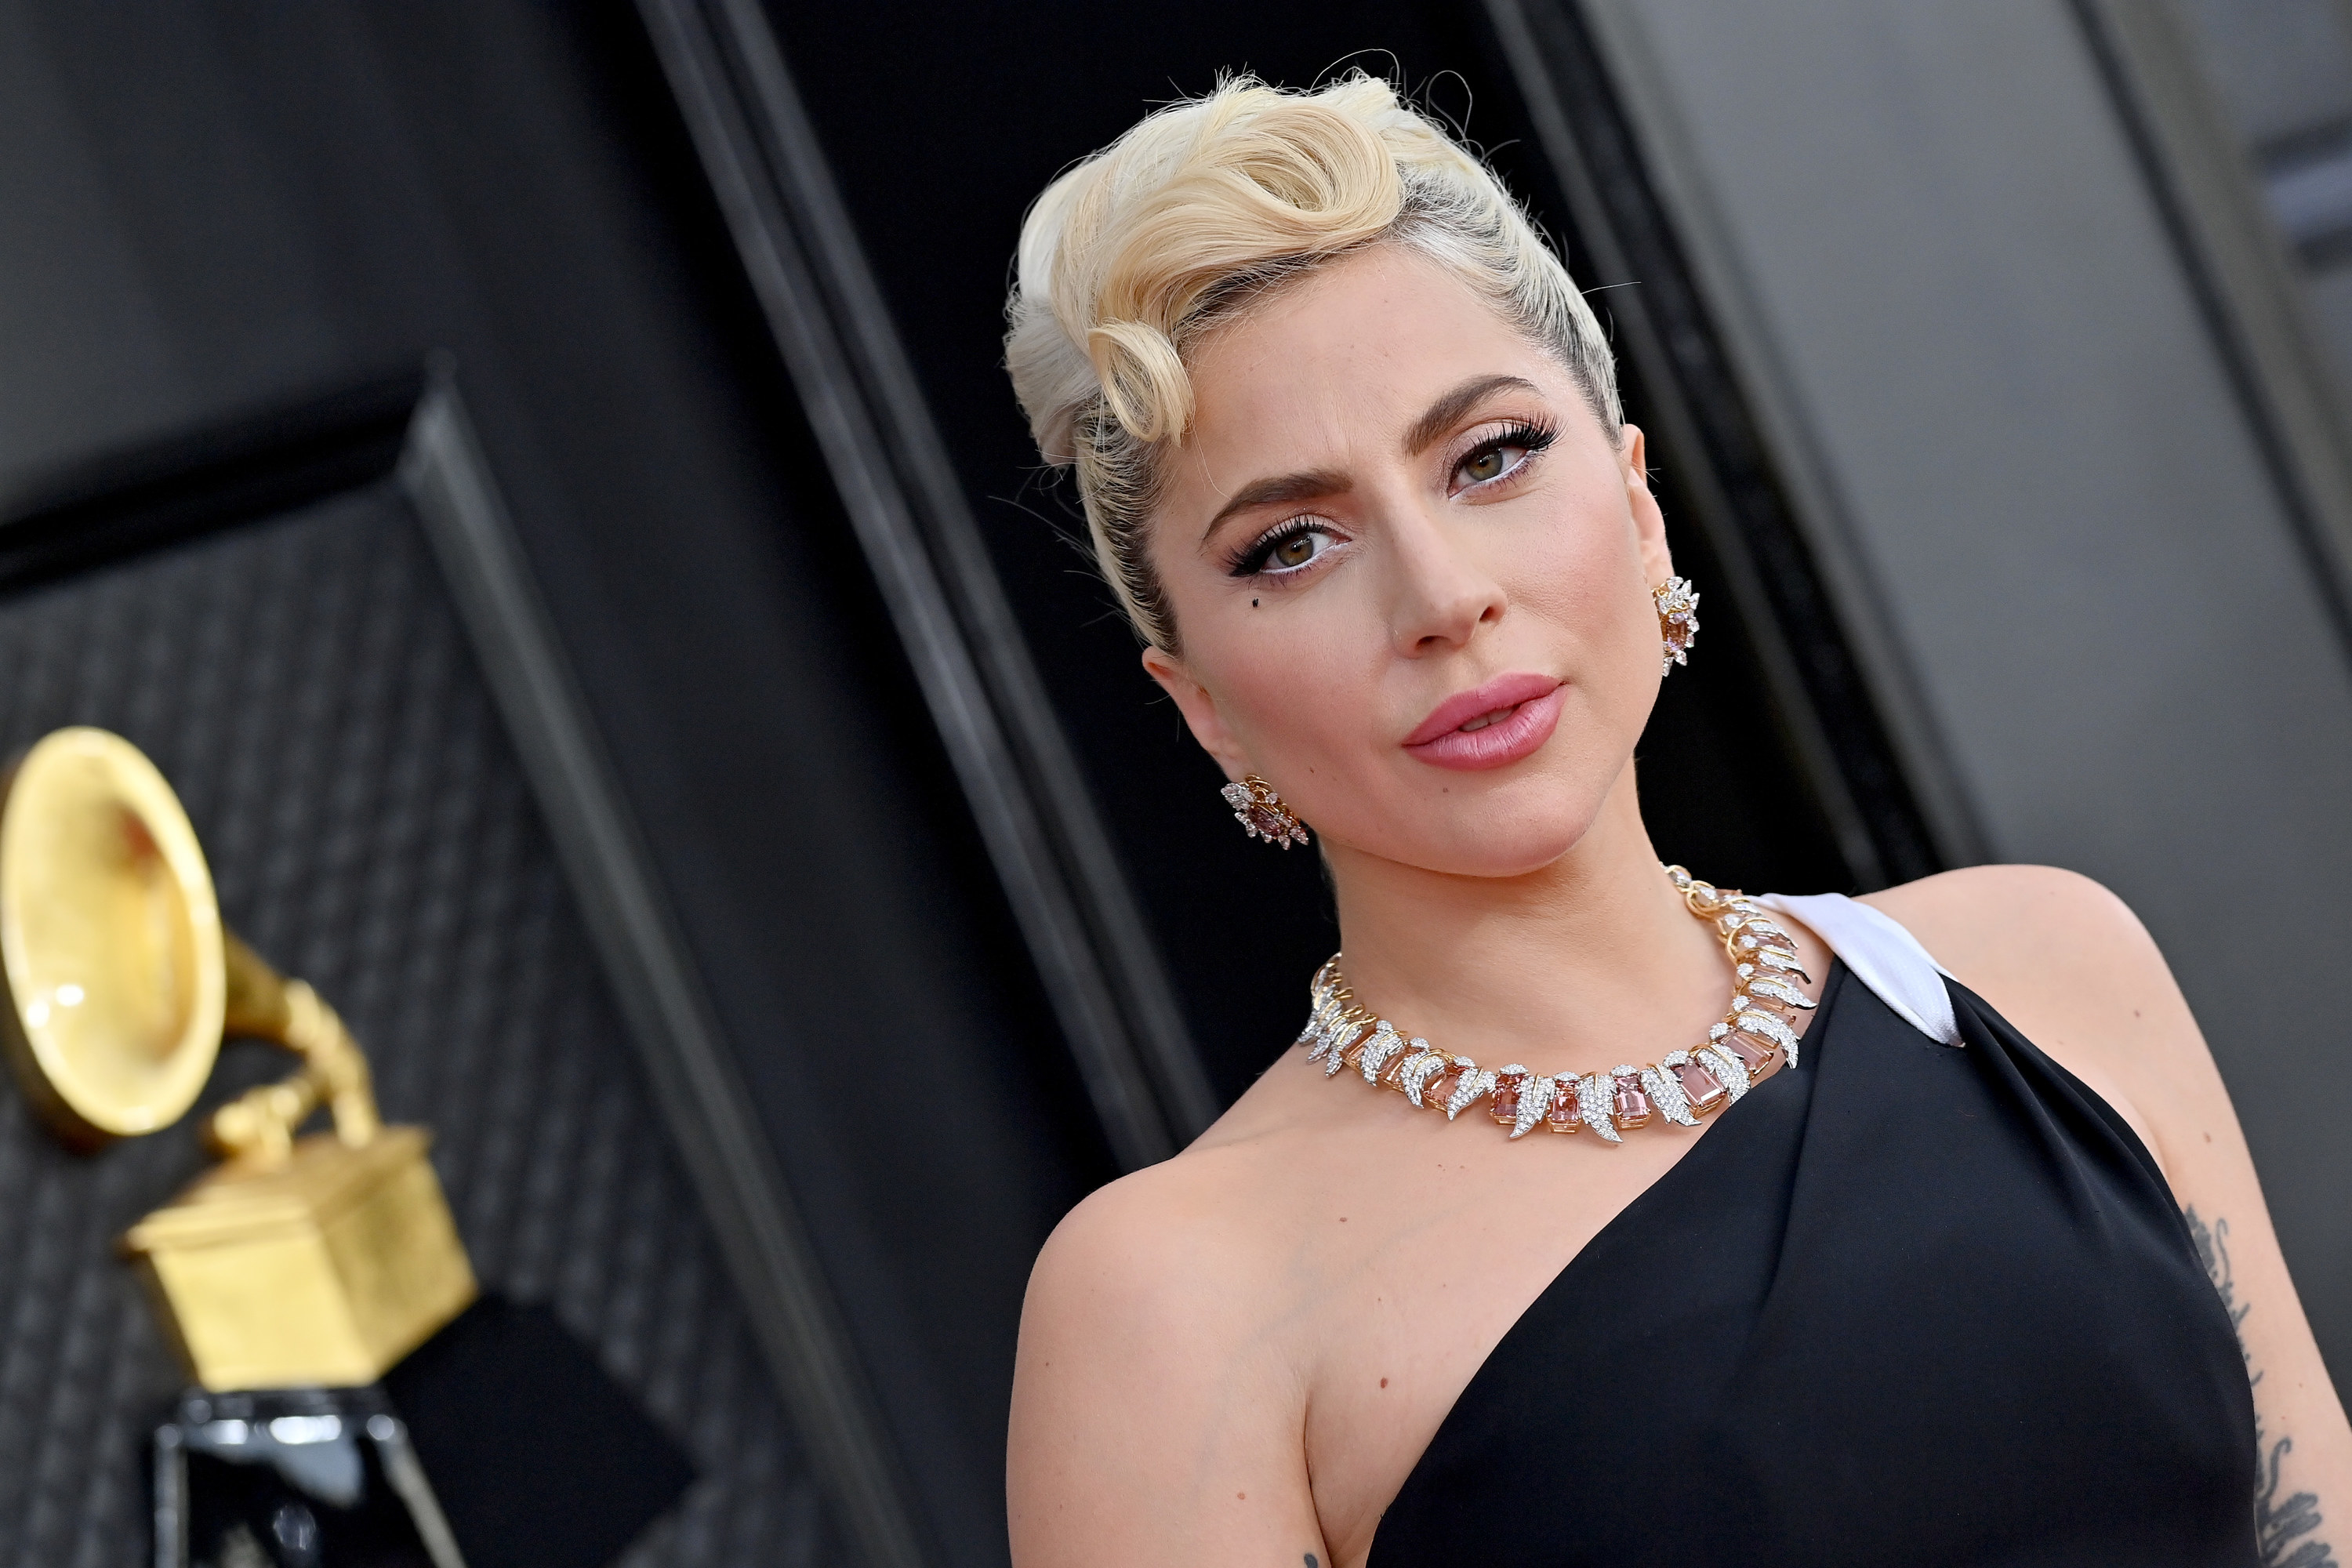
[(110, 939), (121, 978)]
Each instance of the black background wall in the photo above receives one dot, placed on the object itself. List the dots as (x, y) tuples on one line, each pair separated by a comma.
[(211, 209)]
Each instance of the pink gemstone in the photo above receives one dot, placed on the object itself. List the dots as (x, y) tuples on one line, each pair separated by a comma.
[(1630, 1107), (1561, 1114), (1701, 1088), (1267, 822), (1506, 1105), (1438, 1090), (1754, 1055)]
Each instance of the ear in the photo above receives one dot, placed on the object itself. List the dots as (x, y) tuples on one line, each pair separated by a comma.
[(1199, 710), (1649, 522)]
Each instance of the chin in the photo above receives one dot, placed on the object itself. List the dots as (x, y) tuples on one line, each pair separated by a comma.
[(1485, 841), (1520, 851), (1518, 830)]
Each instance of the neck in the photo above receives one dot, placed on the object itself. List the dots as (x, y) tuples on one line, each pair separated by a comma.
[(1590, 956)]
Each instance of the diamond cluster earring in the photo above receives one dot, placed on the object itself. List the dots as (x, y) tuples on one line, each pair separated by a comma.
[(1677, 605), (1261, 813)]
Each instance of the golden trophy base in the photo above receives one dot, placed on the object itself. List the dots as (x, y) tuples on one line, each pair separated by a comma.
[(318, 1272)]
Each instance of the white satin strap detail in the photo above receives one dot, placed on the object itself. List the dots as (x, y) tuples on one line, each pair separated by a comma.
[(1882, 955)]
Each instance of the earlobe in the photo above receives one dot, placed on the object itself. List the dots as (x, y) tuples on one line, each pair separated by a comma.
[(1200, 709)]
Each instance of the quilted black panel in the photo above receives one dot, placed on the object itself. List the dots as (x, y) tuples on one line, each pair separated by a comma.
[(306, 686)]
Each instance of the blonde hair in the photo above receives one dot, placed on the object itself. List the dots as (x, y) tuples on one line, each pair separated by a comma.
[(1131, 257)]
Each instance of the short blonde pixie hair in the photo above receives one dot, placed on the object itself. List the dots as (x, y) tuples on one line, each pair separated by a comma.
[(1128, 260)]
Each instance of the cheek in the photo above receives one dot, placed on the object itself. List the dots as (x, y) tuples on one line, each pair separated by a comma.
[(1298, 689), (1578, 591), (1591, 588), (1295, 678)]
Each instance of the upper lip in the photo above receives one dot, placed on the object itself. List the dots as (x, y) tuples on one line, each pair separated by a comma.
[(1503, 691)]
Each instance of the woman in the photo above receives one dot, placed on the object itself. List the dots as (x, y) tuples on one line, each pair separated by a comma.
[(1933, 1290)]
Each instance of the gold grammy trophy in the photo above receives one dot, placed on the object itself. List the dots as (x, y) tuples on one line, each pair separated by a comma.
[(298, 1261)]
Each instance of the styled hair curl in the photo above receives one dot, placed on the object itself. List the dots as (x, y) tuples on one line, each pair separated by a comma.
[(1128, 260)]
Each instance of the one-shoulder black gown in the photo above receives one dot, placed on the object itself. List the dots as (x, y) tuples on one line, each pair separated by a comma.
[(1907, 1305)]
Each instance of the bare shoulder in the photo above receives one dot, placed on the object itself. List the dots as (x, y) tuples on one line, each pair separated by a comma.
[(2017, 924), (1161, 1242), (2045, 946), (1156, 1410), (1193, 1235)]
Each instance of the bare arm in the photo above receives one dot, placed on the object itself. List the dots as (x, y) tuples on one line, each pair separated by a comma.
[(2064, 961), (1155, 1419)]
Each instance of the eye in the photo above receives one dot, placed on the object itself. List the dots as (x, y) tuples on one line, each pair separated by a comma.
[(1500, 456), (1297, 543)]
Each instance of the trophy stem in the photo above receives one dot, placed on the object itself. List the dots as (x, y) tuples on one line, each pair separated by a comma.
[(258, 1128)]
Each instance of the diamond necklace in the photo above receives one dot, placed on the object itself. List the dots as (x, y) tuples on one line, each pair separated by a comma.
[(1751, 1042)]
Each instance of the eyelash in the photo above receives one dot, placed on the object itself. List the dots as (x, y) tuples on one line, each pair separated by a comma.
[(1250, 562)]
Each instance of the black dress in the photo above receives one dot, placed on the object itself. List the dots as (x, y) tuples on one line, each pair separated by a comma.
[(1907, 1305)]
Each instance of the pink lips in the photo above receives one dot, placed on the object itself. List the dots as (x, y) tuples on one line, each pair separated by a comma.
[(1533, 704)]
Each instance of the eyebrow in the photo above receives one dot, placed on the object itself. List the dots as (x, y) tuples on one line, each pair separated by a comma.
[(1313, 484), (1448, 410)]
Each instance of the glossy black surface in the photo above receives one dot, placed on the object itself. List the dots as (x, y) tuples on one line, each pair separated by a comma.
[(290, 1479)]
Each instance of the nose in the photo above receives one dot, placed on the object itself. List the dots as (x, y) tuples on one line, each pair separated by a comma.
[(1443, 591)]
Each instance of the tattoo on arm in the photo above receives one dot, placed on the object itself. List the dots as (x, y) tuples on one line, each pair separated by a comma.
[(1311, 1563), (2280, 1525)]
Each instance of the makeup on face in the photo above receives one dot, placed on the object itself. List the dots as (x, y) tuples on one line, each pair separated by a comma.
[(1495, 457)]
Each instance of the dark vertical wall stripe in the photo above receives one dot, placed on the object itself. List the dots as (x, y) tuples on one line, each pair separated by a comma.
[(1062, 878), (693, 1075)]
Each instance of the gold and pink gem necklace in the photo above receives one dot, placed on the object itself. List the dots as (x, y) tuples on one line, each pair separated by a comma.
[(1753, 1041)]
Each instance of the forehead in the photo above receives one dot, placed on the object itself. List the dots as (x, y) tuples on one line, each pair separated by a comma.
[(1342, 361)]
